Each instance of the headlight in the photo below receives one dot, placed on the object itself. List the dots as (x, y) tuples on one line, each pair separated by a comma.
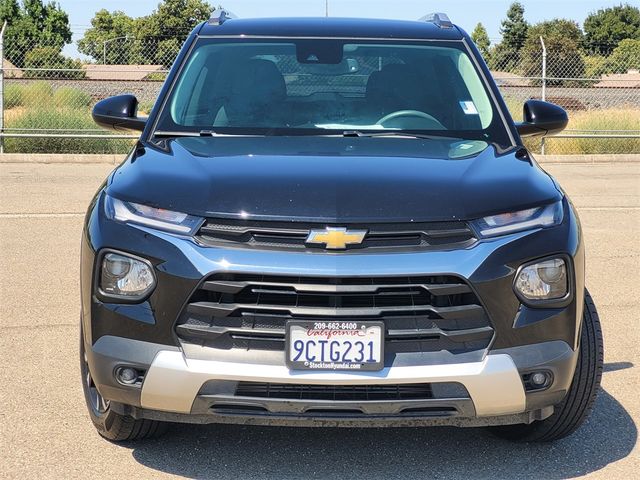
[(129, 212), (546, 280), (546, 216), (125, 276)]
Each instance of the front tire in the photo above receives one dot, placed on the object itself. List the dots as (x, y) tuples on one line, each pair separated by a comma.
[(109, 424), (577, 405)]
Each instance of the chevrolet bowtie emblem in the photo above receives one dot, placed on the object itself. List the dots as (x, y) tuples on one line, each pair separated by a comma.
[(336, 238)]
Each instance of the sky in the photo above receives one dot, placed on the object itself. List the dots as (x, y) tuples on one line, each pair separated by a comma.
[(465, 13)]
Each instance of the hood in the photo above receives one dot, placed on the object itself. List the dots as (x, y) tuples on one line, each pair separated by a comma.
[(328, 179)]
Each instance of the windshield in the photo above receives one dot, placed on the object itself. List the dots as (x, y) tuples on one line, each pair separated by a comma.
[(320, 87)]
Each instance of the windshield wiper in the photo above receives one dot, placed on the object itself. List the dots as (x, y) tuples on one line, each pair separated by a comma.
[(201, 133), (394, 133)]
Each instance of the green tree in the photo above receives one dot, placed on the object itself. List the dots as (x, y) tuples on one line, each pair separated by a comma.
[(607, 27), (558, 27), (176, 17), (111, 34), (168, 50), (625, 57), (514, 28), (33, 24), (153, 39), (563, 39), (9, 10), (481, 39), (166, 28), (594, 65)]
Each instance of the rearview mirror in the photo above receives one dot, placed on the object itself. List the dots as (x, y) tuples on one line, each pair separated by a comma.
[(542, 118), (345, 67), (119, 113)]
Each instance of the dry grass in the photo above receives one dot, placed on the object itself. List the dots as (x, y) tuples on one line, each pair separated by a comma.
[(27, 115), (612, 121), (14, 113), (52, 119), (619, 120)]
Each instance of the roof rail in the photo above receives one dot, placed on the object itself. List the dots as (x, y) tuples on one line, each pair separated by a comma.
[(439, 19), (219, 16)]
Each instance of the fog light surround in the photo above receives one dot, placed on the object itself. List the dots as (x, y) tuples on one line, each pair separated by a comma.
[(536, 381), (124, 277), (129, 376), (543, 281)]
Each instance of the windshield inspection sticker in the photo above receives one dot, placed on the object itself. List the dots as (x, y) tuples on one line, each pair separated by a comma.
[(469, 108)]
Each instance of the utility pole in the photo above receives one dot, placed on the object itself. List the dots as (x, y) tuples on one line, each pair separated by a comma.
[(326, 8), (544, 69), (4, 27), (544, 84)]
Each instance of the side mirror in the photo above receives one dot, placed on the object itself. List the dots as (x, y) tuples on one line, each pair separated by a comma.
[(119, 113), (542, 118)]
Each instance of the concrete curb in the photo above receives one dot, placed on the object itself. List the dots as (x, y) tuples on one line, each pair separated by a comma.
[(613, 158), (116, 159), (60, 158)]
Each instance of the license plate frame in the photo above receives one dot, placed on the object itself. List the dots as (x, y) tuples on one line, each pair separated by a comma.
[(374, 331)]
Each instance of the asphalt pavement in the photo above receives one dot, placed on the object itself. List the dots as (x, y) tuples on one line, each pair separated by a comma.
[(45, 431)]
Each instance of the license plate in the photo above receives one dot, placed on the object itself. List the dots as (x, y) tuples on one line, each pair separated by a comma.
[(356, 346)]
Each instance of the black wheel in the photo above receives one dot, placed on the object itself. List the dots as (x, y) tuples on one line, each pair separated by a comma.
[(577, 405), (109, 424)]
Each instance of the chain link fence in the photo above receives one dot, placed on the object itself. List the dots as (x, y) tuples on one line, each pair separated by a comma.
[(46, 98), (601, 93)]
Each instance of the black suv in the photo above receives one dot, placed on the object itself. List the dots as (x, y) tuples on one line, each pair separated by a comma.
[(334, 222)]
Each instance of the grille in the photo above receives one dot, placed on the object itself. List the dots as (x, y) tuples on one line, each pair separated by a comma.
[(290, 235), (421, 314), (354, 393), (333, 412)]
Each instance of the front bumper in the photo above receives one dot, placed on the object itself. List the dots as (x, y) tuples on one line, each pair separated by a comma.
[(142, 335), (481, 379), (176, 387)]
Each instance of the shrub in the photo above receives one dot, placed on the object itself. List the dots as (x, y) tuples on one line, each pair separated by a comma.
[(156, 77), (13, 96), (51, 58), (626, 56), (71, 97), (36, 94), (64, 119), (145, 107), (594, 65)]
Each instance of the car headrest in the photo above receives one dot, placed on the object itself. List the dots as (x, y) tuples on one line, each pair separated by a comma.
[(395, 87), (259, 79), (256, 91)]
